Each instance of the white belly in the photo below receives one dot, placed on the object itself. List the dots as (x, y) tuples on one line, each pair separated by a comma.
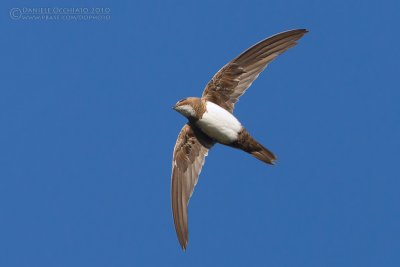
[(219, 124)]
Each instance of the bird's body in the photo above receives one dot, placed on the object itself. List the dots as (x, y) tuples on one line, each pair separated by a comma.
[(219, 124), (211, 121)]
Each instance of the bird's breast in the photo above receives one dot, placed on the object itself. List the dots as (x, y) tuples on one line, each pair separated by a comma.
[(219, 124)]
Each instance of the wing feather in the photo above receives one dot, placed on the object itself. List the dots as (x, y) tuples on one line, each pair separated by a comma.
[(232, 80), (190, 151)]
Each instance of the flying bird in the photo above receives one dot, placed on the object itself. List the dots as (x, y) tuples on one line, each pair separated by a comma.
[(211, 121)]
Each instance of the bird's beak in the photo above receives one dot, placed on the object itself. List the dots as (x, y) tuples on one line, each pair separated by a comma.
[(174, 107)]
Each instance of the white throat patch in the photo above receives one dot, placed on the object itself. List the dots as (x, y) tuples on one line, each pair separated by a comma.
[(186, 110)]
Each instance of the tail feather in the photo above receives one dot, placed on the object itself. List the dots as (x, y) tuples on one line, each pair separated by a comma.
[(264, 155), (246, 143)]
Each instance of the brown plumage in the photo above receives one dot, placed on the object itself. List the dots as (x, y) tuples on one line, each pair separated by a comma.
[(197, 104), (224, 90), (190, 151), (246, 143), (232, 80)]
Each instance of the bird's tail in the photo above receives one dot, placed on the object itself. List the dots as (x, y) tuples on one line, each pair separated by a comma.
[(246, 143)]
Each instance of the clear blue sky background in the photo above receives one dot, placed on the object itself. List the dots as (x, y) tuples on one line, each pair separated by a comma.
[(87, 133)]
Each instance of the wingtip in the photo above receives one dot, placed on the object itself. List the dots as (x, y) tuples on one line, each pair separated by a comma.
[(184, 246), (301, 31), (183, 241)]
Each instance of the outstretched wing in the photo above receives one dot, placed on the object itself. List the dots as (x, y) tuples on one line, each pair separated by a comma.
[(190, 151), (230, 82)]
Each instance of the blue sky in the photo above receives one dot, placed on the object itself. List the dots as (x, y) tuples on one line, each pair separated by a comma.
[(87, 133)]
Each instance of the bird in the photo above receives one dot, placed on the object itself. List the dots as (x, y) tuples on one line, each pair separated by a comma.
[(211, 121)]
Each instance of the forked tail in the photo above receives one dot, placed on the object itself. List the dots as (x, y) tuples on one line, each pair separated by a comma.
[(246, 143)]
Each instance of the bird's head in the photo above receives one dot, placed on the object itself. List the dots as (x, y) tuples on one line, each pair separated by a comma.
[(187, 107)]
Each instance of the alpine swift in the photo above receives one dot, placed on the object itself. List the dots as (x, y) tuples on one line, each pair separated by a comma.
[(211, 120)]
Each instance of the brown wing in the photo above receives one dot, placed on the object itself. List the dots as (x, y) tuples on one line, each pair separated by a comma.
[(190, 151), (230, 82)]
